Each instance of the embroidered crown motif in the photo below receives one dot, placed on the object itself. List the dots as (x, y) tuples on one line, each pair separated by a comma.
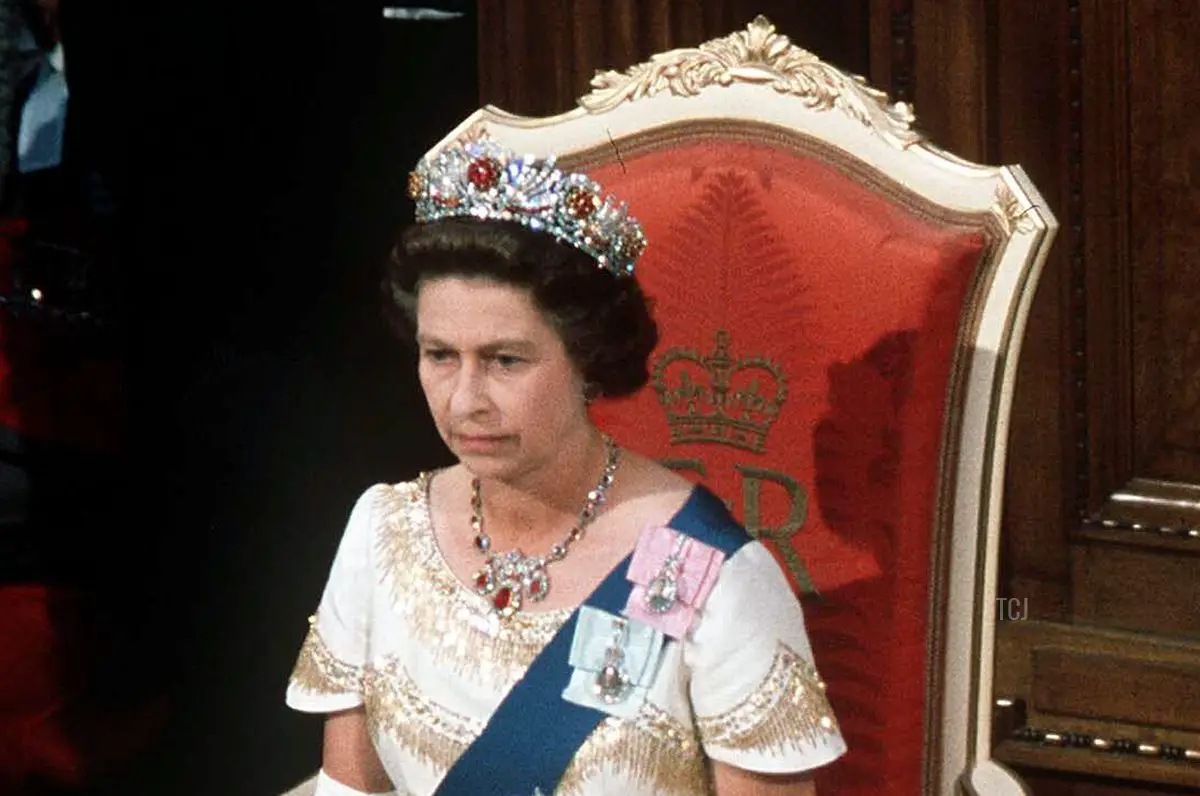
[(715, 398), (475, 177)]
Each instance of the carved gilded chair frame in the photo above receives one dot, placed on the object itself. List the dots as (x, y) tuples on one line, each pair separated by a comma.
[(756, 85)]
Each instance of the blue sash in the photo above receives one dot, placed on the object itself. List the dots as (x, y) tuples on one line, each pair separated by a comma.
[(534, 733)]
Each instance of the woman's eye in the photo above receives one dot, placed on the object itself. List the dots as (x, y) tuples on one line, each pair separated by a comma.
[(506, 361)]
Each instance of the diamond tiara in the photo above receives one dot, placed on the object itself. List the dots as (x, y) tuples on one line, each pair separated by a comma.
[(478, 178)]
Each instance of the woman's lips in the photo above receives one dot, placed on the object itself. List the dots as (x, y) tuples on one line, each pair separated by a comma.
[(478, 442)]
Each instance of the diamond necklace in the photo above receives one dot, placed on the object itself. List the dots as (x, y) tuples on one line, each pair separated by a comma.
[(506, 579)]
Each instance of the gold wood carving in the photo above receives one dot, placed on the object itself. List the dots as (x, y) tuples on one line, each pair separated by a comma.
[(1011, 211), (755, 55)]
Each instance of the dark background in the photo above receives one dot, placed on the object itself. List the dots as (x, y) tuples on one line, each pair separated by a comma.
[(258, 154)]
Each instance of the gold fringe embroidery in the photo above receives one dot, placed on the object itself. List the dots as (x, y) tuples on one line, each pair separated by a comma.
[(653, 749), (319, 671), (787, 708), (453, 623), (430, 732)]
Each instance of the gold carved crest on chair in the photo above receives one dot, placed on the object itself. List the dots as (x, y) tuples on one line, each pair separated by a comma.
[(756, 55)]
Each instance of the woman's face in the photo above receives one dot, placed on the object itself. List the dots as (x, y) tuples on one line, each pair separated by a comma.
[(501, 388)]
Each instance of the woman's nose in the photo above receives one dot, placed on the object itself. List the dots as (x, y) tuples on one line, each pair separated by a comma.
[(469, 393)]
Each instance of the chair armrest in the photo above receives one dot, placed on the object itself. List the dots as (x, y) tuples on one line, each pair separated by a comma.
[(990, 778)]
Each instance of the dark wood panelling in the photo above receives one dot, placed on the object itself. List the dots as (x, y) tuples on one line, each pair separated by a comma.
[(893, 48), (1164, 206), (1139, 283), (1031, 119), (1079, 679), (1137, 587), (1100, 295), (1141, 280), (950, 39), (1091, 776), (1090, 98), (1116, 688)]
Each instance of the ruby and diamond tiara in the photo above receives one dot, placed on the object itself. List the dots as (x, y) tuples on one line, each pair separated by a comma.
[(478, 178)]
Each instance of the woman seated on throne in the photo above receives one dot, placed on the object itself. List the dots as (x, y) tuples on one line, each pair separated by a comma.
[(554, 613)]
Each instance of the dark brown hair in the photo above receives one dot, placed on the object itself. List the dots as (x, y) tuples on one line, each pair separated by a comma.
[(604, 321)]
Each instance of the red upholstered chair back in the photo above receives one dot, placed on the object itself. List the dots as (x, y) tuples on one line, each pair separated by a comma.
[(841, 308), (809, 330)]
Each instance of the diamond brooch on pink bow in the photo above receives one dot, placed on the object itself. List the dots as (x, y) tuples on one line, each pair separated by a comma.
[(663, 591), (672, 575)]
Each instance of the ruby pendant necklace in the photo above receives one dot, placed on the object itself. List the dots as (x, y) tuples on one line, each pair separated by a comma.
[(508, 579)]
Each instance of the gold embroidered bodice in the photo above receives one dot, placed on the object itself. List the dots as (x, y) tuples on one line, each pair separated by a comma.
[(431, 662)]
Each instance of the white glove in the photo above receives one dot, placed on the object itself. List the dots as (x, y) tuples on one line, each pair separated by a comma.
[(328, 786)]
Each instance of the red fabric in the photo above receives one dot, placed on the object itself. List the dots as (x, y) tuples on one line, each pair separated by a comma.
[(60, 722), (11, 231), (858, 302), (32, 741), (48, 390), (52, 398)]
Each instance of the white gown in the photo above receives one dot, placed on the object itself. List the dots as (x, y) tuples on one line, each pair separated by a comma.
[(397, 631)]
